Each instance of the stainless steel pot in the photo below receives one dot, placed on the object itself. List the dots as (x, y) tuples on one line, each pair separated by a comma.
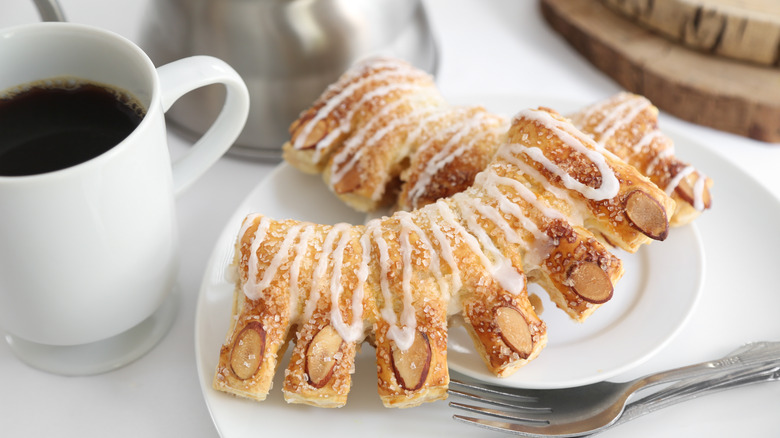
[(287, 51)]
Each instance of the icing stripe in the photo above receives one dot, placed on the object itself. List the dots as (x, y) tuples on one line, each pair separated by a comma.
[(250, 287), (577, 141)]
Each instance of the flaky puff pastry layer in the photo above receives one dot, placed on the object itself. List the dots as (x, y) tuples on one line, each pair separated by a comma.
[(626, 124)]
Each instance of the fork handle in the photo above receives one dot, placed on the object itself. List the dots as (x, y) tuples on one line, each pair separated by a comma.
[(672, 396), (752, 354), (689, 384)]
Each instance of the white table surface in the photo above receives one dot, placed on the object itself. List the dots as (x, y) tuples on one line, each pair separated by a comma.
[(487, 47)]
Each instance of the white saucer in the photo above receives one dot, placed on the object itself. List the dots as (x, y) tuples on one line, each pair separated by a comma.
[(104, 355)]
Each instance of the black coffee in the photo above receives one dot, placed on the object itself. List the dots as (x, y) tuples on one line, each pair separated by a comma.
[(48, 127)]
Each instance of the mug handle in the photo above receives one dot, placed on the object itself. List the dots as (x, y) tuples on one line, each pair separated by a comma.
[(184, 75)]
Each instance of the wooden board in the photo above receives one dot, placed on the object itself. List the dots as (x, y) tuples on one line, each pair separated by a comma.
[(747, 30), (729, 95)]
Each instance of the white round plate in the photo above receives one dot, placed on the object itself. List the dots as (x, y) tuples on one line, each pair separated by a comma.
[(651, 304)]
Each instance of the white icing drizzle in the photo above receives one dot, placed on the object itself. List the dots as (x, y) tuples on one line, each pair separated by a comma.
[(662, 155), (542, 244), (698, 187), (698, 192), (574, 215), (321, 268), (422, 117), (295, 269), (494, 215), (675, 181), (490, 179), (446, 155), (400, 70), (646, 141), (610, 185), (281, 255), (356, 146), (386, 70), (446, 249), (620, 116), (407, 221), (506, 276), (354, 331), (424, 125), (250, 287), (665, 149), (402, 336)]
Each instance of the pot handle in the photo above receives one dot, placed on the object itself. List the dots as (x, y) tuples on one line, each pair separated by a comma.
[(49, 10)]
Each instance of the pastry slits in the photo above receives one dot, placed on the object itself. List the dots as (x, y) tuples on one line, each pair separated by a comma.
[(627, 125)]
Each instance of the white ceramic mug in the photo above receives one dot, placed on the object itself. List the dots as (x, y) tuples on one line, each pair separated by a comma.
[(88, 254)]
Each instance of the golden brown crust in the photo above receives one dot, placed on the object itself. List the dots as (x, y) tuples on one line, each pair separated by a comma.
[(447, 162), (357, 132), (267, 316), (595, 185), (627, 125), (351, 101)]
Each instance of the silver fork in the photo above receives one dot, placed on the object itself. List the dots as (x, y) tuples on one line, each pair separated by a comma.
[(661, 399), (588, 409)]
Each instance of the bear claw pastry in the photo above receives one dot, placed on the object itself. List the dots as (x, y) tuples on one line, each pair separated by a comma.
[(397, 281)]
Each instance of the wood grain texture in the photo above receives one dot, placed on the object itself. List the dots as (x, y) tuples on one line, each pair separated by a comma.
[(729, 95), (748, 30)]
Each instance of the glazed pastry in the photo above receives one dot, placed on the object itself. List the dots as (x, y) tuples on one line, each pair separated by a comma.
[(358, 131), (364, 172), (397, 280), (447, 162), (384, 281), (627, 125), (384, 118), (585, 182)]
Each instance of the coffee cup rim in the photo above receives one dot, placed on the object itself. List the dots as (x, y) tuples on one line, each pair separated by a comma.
[(153, 103)]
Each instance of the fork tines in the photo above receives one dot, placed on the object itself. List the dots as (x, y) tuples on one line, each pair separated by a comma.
[(520, 407)]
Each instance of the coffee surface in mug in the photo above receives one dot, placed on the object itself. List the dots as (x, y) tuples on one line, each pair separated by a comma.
[(51, 125)]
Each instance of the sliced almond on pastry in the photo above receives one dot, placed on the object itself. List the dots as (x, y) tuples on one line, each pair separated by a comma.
[(514, 330), (321, 356), (591, 282), (412, 365), (686, 191), (248, 348), (647, 215)]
